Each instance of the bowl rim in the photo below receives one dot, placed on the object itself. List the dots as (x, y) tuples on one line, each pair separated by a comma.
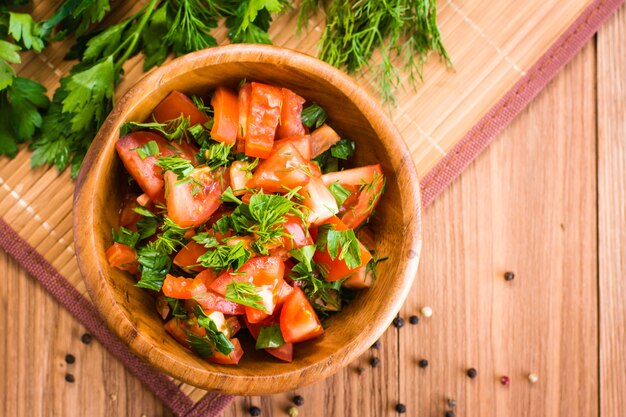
[(85, 237)]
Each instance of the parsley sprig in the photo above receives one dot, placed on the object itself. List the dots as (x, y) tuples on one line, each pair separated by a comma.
[(341, 244), (214, 339)]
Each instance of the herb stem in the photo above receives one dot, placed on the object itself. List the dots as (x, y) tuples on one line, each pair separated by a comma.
[(149, 9)]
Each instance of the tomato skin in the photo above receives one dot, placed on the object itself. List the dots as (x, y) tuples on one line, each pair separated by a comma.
[(226, 116), (211, 301), (245, 91), (302, 143), (187, 209), (187, 257), (232, 359), (320, 201), (175, 105), (122, 257), (176, 329), (262, 119), (337, 268), (368, 183), (284, 168), (360, 279), (322, 139), (298, 234), (298, 321), (290, 115), (183, 288), (145, 171), (233, 324)]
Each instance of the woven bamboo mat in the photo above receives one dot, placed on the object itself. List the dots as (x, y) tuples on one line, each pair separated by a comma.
[(498, 47)]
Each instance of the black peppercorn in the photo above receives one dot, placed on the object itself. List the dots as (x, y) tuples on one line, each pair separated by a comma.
[(69, 358), (69, 378), (298, 400), (254, 411), (86, 338), (360, 370), (450, 413), (374, 362), (414, 319), (423, 363), (401, 408), (509, 276), (471, 372), (376, 345), (398, 322)]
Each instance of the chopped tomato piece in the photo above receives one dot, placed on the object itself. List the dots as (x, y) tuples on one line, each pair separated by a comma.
[(298, 321), (260, 271), (302, 143), (322, 139), (232, 359), (187, 257), (362, 278), (191, 203), (175, 105), (262, 119), (337, 268), (240, 177), (290, 115), (145, 171), (211, 301), (183, 288), (245, 91), (282, 171), (143, 200), (370, 182), (283, 293), (177, 329), (268, 300), (297, 234), (226, 116), (122, 257), (128, 218), (320, 201), (233, 324)]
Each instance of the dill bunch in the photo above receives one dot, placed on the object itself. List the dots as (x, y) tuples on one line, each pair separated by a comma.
[(403, 31)]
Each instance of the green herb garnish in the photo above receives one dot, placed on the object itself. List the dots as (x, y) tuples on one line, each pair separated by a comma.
[(313, 116), (270, 337), (244, 293), (125, 236)]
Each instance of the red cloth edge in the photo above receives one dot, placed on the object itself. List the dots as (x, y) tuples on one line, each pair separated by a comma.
[(544, 70), (85, 312)]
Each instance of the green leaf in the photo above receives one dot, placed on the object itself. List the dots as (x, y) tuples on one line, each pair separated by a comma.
[(313, 116), (270, 337), (154, 266), (217, 339), (25, 30), (304, 255), (90, 95), (147, 227), (202, 345), (125, 237), (104, 44), (154, 49), (343, 149), (228, 197), (7, 74), (339, 192), (341, 244), (214, 155), (149, 149), (191, 26), (225, 256), (244, 293), (8, 52), (180, 166), (176, 307)]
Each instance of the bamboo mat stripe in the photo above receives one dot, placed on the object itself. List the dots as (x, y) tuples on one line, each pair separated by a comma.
[(516, 99), (500, 69)]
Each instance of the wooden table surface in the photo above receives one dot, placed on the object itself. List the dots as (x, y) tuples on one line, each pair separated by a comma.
[(546, 200)]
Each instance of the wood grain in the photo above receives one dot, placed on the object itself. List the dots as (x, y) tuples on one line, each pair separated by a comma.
[(611, 214)]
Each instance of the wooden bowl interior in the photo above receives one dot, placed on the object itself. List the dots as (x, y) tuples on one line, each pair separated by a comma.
[(348, 333)]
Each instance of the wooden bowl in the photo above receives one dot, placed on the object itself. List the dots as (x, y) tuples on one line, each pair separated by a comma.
[(130, 312)]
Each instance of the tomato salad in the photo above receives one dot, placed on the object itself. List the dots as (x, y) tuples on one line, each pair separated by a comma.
[(239, 216)]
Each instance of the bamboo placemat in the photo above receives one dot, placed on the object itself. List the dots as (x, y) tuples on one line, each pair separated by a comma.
[(504, 53)]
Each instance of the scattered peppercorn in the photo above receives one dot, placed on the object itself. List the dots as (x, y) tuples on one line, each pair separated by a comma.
[(423, 363), (414, 319), (298, 400), (451, 403), (69, 358), (401, 408), (293, 411), (376, 345), (374, 362), (360, 370), (427, 311), (86, 338), (471, 372), (509, 276), (450, 413), (533, 378), (69, 378), (505, 380), (254, 411), (398, 322)]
